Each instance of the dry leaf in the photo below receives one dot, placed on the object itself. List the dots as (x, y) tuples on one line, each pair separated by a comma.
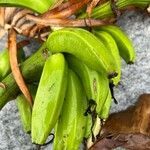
[(129, 128)]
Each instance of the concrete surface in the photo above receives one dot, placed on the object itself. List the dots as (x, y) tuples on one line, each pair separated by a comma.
[(135, 81)]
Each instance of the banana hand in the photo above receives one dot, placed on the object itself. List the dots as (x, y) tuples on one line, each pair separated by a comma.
[(83, 45)]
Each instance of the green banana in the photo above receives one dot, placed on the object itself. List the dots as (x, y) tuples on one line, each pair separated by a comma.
[(124, 44), (111, 46), (96, 85), (106, 107), (49, 98), (70, 128), (88, 129), (25, 109), (39, 6), (4, 62), (85, 46)]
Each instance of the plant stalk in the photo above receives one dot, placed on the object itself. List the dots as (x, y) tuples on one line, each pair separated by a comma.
[(31, 71)]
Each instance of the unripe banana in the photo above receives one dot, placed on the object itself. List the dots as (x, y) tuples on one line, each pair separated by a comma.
[(5, 64), (49, 97), (70, 128), (96, 85), (25, 109), (39, 6), (88, 129), (85, 46), (124, 44), (106, 107), (111, 46)]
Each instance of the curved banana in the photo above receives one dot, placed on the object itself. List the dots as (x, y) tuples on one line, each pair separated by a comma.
[(49, 97), (39, 6), (111, 46), (124, 44), (70, 128), (25, 110), (85, 46), (106, 107), (96, 85)]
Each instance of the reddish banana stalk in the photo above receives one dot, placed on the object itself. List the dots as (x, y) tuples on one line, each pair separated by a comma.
[(12, 46)]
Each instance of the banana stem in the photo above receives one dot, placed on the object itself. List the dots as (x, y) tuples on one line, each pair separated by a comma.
[(31, 70)]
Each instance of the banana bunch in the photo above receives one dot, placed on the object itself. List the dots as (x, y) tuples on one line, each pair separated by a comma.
[(73, 92), (73, 95)]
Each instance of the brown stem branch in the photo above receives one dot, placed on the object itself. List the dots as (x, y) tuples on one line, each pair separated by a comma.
[(66, 22), (59, 8), (68, 11)]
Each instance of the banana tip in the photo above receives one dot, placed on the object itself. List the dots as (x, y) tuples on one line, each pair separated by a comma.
[(130, 63)]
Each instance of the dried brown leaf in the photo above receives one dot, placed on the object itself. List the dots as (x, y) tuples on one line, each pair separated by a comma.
[(129, 128)]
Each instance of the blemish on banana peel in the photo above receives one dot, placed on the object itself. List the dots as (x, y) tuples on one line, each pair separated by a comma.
[(130, 62), (91, 107), (111, 86), (2, 85), (95, 85), (46, 53)]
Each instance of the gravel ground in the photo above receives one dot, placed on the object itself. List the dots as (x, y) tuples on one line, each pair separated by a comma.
[(135, 81)]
